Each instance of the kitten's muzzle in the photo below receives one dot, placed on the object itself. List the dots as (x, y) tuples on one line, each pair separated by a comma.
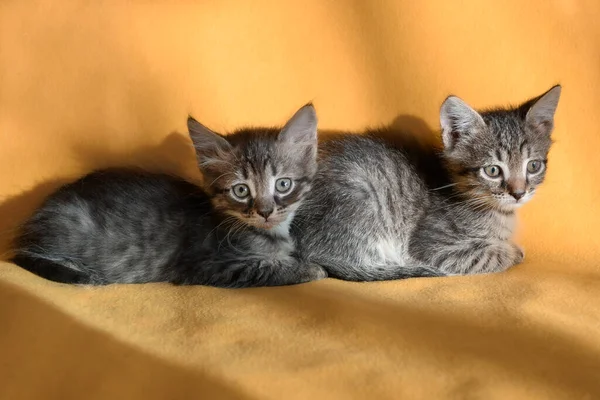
[(516, 189), (265, 212), (265, 223), (518, 194)]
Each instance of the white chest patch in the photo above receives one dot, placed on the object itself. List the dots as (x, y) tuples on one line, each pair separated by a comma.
[(390, 252), (283, 229)]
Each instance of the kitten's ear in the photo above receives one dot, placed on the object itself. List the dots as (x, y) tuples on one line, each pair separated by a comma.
[(540, 116), (301, 128), (458, 120), (207, 143)]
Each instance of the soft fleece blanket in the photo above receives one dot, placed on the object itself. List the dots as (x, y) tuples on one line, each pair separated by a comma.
[(92, 84)]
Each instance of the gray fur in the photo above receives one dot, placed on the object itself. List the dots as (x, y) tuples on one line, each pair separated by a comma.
[(136, 227), (374, 214)]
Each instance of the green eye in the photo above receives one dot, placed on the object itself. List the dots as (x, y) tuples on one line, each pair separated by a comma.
[(534, 166), (241, 191), (493, 171), (283, 185)]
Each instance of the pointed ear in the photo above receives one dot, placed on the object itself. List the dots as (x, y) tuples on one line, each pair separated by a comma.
[(301, 128), (458, 120), (208, 144), (540, 116)]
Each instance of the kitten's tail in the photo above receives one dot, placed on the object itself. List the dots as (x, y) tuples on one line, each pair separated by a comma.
[(420, 272), (388, 273), (50, 270)]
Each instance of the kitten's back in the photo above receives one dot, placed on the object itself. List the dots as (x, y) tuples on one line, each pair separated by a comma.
[(365, 188), (114, 222)]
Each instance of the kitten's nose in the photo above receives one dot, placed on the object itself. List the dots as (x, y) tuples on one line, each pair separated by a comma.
[(517, 194), (265, 212)]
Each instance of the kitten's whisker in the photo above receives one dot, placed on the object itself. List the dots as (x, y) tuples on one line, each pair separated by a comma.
[(483, 199), (225, 220), (227, 236), (220, 176), (215, 161), (240, 226), (444, 187)]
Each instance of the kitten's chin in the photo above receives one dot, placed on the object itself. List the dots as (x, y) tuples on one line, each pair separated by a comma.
[(266, 225), (510, 204), (278, 226), (508, 207)]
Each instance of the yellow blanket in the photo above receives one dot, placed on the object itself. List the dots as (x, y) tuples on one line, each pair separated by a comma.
[(91, 84)]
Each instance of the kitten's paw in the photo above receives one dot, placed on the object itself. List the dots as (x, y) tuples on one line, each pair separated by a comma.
[(496, 257), (507, 255), (519, 254), (315, 272)]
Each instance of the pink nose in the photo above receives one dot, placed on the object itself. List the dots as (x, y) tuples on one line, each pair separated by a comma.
[(517, 194), (265, 212)]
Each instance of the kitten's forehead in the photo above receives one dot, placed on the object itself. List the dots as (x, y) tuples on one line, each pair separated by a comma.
[(253, 141), (260, 152), (256, 164), (508, 134), (506, 127)]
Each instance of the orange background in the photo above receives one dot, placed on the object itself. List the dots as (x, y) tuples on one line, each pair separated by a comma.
[(85, 85)]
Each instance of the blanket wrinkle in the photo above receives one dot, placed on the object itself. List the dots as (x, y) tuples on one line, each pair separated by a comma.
[(89, 85)]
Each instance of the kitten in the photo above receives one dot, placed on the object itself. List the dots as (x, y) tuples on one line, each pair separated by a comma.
[(135, 227), (374, 215)]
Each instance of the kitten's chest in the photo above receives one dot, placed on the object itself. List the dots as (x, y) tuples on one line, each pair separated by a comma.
[(391, 251), (475, 224), (499, 225), (506, 227), (249, 242)]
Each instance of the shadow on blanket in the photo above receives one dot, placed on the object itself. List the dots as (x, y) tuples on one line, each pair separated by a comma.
[(91, 362), (176, 156)]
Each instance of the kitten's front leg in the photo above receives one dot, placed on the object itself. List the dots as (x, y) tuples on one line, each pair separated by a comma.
[(479, 257), (520, 253), (254, 273), (289, 271)]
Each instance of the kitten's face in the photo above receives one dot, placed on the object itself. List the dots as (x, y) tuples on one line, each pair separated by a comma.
[(259, 176), (261, 181), (499, 158)]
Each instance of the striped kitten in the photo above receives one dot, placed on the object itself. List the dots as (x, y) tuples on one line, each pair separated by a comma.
[(374, 215), (134, 227)]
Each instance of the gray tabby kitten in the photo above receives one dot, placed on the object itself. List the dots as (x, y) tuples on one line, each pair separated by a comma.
[(374, 213), (135, 227)]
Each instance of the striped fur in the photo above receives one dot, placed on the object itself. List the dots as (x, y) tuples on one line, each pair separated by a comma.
[(135, 227), (375, 213)]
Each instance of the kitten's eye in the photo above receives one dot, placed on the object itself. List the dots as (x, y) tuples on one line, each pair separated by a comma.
[(283, 185), (493, 171), (534, 166), (241, 191)]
